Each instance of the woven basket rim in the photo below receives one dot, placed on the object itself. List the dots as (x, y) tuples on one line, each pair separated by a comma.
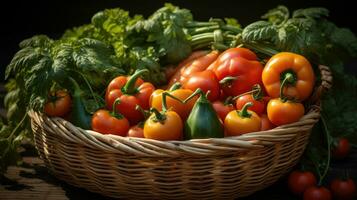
[(194, 147)]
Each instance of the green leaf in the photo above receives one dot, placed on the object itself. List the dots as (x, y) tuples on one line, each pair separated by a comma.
[(277, 15), (345, 39), (232, 21), (259, 31), (316, 13), (36, 41)]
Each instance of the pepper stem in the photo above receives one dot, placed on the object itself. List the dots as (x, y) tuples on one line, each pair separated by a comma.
[(227, 80), (198, 91), (256, 92), (175, 86), (114, 112), (129, 87), (145, 113), (159, 117), (244, 112), (288, 79), (228, 100), (164, 103)]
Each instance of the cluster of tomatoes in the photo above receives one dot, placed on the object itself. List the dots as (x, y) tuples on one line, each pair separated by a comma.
[(304, 183), (245, 95)]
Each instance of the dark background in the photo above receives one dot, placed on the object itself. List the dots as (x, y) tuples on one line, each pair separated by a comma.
[(23, 19)]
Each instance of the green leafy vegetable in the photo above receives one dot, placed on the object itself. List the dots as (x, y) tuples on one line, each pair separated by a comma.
[(309, 33)]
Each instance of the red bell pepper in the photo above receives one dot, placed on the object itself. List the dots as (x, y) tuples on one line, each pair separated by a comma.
[(238, 70)]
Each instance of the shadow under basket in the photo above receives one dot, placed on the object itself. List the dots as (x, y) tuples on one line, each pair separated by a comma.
[(139, 168)]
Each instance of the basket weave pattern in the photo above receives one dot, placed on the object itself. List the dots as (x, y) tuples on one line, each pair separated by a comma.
[(137, 168)]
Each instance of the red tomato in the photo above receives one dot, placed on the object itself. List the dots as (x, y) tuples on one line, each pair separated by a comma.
[(266, 123), (299, 181), (317, 193), (104, 122), (341, 149), (222, 109), (136, 131), (59, 104), (258, 105), (343, 189), (207, 81)]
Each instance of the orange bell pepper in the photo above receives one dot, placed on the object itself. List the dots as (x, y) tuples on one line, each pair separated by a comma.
[(293, 69)]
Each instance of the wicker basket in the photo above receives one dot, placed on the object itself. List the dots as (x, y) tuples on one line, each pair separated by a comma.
[(135, 168)]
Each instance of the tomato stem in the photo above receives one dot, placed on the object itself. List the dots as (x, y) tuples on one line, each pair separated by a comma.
[(244, 112), (114, 112), (129, 87)]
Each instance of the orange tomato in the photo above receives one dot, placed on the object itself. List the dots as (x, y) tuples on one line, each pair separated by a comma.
[(280, 113), (170, 127), (282, 65), (238, 122)]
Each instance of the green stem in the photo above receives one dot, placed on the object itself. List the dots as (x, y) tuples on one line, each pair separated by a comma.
[(200, 30), (328, 138), (193, 24), (145, 113), (232, 29), (114, 112), (264, 49), (77, 89), (256, 93), (197, 92), (159, 117), (17, 127), (90, 88), (227, 80), (164, 104), (175, 86), (129, 87), (288, 79), (202, 41), (244, 112), (228, 100)]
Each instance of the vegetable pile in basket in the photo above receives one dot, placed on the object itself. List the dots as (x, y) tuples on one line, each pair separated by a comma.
[(234, 79), (170, 77)]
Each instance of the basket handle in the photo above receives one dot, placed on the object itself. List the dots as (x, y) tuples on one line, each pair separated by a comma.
[(326, 84)]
